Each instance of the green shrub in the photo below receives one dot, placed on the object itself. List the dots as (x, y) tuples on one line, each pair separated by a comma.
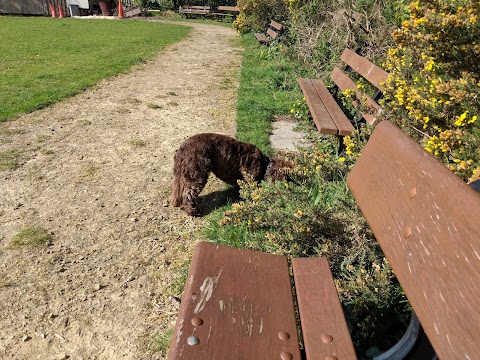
[(321, 29)]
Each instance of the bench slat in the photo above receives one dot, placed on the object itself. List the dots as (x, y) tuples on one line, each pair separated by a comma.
[(344, 83), (262, 38), (276, 25), (368, 70), (426, 220), (245, 301), (325, 331), (273, 34), (229, 8), (320, 114), (326, 113), (343, 124)]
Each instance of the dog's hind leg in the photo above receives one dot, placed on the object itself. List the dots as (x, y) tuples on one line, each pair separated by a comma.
[(177, 184)]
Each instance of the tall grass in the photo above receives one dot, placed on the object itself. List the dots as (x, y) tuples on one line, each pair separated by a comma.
[(268, 87), (44, 60)]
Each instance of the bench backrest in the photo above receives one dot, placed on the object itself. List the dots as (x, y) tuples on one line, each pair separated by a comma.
[(274, 29), (277, 26), (229, 8), (371, 72), (427, 221), (194, 8)]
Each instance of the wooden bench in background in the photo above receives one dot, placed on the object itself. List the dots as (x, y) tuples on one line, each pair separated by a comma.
[(223, 12), (131, 12), (194, 11), (238, 304), (323, 102), (273, 32)]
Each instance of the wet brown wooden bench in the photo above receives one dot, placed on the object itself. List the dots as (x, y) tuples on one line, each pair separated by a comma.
[(194, 10), (323, 102), (223, 12), (238, 304), (273, 32)]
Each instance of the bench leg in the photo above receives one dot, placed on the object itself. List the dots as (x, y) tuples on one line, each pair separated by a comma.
[(341, 145)]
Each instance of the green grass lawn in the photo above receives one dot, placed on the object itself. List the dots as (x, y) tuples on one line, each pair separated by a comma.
[(44, 60)]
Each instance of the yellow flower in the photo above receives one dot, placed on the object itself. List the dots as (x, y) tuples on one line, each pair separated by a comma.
[(342, 159), (298, 213), (461, 119), (429, 65)]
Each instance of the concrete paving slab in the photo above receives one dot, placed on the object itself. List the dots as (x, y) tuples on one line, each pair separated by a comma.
[(284, 137)]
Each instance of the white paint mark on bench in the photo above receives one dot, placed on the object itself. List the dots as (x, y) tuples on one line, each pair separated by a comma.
[(179, 333), (206, 291), (208, 335), (369, 70), (476, 254), (425, 248), (221, 303), (250, 321)]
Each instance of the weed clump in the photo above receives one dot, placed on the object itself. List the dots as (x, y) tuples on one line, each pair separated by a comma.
[(31, 236), (9, 159)]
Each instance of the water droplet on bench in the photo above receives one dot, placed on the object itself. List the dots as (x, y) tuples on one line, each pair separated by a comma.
[(412, 192), (327, 339)]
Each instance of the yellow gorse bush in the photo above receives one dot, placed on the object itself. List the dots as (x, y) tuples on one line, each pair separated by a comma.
[(433, 89), (257, 14)]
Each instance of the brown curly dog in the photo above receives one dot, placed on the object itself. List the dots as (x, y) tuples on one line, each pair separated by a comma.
[(226, 157)]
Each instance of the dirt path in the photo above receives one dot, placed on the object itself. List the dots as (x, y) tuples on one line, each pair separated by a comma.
[(96, 173)]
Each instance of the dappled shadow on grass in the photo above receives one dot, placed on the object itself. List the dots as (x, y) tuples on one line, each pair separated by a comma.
[(210, 202)]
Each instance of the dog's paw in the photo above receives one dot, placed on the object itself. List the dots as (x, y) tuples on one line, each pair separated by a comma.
[(191, 210)]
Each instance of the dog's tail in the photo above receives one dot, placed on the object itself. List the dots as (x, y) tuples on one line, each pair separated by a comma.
[(177, 190)]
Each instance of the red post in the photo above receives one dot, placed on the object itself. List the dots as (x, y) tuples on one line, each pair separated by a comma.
[(60, 11), (52, 10), (120, 9)]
